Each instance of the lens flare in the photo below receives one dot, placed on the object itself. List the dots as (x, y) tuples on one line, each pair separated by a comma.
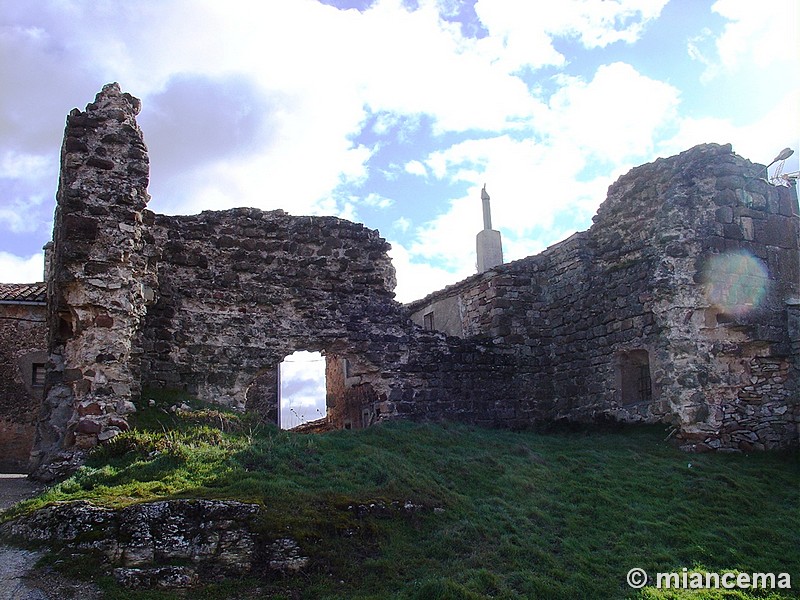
[(735, 282)]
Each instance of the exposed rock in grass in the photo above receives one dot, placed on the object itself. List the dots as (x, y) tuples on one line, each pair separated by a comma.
[(166, 544)]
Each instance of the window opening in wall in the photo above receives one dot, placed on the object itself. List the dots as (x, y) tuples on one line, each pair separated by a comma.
[(302, 389), (39, 370), (635, 383), (427, 321), (645, 385)]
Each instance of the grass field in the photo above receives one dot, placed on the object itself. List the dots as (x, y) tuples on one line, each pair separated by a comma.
[(411, 511)]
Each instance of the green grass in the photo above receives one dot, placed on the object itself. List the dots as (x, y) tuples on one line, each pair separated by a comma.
[(504, 514)]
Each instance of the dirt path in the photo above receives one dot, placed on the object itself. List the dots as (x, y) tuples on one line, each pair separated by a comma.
[(19, 580), (15, 487)]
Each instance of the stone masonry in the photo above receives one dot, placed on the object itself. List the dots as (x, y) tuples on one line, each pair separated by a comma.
[(23, 355), (99, 281), (678, 305), (634, 319), (211, 303)]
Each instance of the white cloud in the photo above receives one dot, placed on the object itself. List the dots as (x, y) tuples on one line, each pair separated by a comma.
[(317, 101), (765, 33), (440, 74), (377, 201), (599, 24), (414, 167), (586, 120), (402, 224), (18, 269), (521, 33), (415, 280), (21, 165), (759, 140), (616, 115), (751, 40), (518, 36), (449, 240), (326, 89), (22, 177), (20, 215)]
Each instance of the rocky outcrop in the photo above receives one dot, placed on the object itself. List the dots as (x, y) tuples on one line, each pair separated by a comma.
[(171, 543)]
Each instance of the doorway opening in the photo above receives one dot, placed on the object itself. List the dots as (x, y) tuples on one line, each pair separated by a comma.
[(301, 394), (635, 383)]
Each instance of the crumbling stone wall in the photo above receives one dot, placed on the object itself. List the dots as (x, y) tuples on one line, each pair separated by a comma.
[(631, 320), (691, 260), (211, 303), (22, 345), (240, 290)]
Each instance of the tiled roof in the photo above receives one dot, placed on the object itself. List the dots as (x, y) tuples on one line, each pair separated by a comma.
[(23, 292)]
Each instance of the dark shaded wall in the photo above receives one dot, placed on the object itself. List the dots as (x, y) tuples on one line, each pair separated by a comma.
[(23, 332), (240, 290)]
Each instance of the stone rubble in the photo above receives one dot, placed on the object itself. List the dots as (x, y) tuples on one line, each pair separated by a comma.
[(164, 544)]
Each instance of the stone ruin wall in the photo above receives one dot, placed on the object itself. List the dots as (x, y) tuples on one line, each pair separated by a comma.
[(240, 290), (211, 303), (637, 281)]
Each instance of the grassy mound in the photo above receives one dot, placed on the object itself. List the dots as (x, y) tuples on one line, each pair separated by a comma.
[(412, 511)]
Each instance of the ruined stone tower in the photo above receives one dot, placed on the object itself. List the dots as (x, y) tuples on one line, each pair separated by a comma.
[(98, 283)]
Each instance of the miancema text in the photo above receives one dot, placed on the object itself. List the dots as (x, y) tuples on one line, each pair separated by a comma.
[(728, 581)]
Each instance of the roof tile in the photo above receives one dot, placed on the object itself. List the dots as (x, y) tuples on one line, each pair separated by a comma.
[(23, 292)]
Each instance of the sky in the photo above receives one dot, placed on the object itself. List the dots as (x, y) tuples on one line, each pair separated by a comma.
[(394, 113), (302, 393)]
